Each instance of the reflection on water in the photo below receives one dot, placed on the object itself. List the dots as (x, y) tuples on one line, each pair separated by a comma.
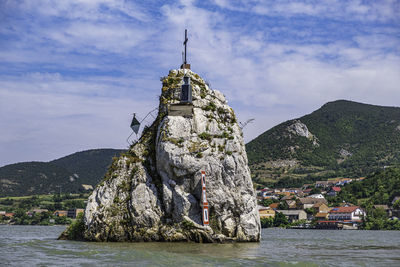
[(37, 245)]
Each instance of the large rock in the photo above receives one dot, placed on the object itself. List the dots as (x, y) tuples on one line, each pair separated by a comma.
[(153, 192)]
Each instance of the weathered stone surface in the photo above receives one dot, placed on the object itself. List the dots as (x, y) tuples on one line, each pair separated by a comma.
[(153, 192), (300, 129)]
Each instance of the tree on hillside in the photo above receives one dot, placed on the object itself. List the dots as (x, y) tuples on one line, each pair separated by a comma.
[(280, 220), (283, 206), (315, 190), (396, 204), (267, 222), (269, 201)]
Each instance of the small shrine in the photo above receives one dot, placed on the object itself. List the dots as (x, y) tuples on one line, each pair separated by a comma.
[(184, 107), (186, 91)]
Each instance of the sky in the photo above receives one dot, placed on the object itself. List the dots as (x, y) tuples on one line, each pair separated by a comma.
[(73, 72)]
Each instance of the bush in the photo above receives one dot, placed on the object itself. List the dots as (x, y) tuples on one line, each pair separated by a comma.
[(396, 204), (267, 222), (62, 220), (205, 136), (76, 229), (211, 106), (269, 201), (280, 220)]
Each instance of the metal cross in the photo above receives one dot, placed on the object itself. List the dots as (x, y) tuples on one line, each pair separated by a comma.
[(185, 42)]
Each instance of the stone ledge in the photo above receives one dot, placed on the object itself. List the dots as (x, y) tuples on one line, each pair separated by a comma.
[(184, 110)]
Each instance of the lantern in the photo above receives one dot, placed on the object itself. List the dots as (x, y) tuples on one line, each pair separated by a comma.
[(135, 124)]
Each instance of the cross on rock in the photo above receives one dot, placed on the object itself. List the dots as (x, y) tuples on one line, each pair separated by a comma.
[(185, 65), (185, 42)]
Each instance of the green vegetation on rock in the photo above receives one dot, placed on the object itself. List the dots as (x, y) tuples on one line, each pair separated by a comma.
[(76, 229)]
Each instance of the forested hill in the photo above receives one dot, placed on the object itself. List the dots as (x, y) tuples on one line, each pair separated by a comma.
[(90, 165), (67, 174), (342, 138), (378, 188)]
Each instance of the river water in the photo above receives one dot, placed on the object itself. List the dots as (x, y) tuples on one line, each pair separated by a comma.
[(37, 246)]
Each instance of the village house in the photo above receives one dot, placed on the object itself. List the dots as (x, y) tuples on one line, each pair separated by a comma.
[(2, 213), (305, 186), (60, 213), (316, 196), (321, 207), (292, 190), (288, 197), (334, 191), (346, 204), (265, 193), (353, 213), (72, 213), (36, 211), (308, 202), (294, 215), (307, 191), (266, 212), (274, 206), (321, 216), (343, 181), (292, 204), (325, 184), (274, 196), (342, 218), (285, 194)]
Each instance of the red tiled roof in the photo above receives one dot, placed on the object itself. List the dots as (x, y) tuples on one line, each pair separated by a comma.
[(344, 209), (336, 189), (274, 205)]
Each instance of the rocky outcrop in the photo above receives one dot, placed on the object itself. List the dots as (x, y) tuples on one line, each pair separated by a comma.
[(300, 129), (345, 153), (153, 192)]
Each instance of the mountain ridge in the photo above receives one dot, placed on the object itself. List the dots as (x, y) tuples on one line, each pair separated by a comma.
[(291, 153), (342, 138), (66, 174)]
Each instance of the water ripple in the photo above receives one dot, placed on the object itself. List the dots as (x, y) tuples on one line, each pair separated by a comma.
[(37, 245)]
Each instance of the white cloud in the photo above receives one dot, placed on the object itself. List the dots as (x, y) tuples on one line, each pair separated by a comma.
[(101, 36), (84, 9), (348, 10), (255, 72), (47, 115), (72, 72), (88, 26)]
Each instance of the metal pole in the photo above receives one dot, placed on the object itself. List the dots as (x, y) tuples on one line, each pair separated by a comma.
[(185, 43)]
